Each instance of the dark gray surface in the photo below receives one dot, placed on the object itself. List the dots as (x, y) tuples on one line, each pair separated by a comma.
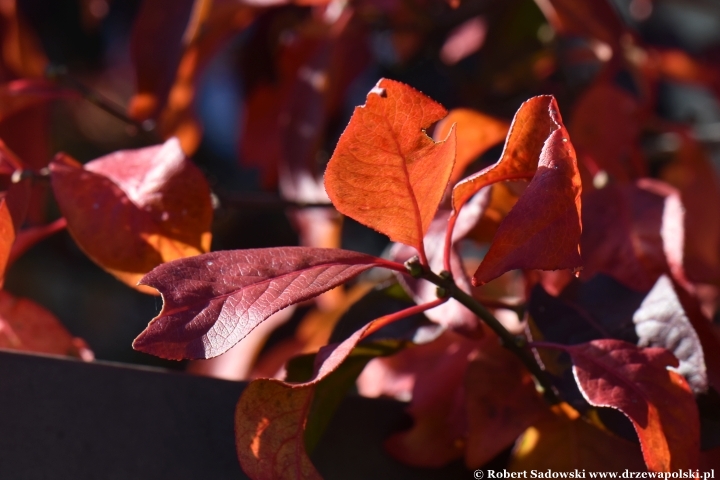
[(64, 419)]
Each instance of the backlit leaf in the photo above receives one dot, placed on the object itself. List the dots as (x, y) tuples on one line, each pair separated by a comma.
[(693, 174), (501, 402), (542, 231), (214, 300), (605, 127), (476, 132), (28, 327), (564, 443), (172, 43), (656, 319), (20, 94), (438, 405), (7, 237), (658, 401), (271, 416), (633, 233), (156, 47), (132, 210), (386, 172), (269, 431), (591, 18)]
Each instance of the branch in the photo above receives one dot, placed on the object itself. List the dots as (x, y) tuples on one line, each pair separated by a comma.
[(60, 75), (516, 344)]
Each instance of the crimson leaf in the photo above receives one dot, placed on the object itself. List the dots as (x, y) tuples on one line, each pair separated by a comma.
[(213, 301)]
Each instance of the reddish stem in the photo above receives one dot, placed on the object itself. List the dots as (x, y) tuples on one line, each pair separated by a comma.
[(448, 241), (390, 265), (388, 319), (553, 346)]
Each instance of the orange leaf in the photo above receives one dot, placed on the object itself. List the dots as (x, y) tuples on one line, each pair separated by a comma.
[(542, 231), (476, 132), (386, 172), (28, 327), (132, 210), (564, 444), (7, 237)]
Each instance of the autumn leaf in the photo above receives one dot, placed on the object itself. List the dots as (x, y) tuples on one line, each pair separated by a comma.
[(653, 319), (437, 435), (605, 128), (24, 93), (17, 191), (633, 233), (213, 301), (542, 231), (28, 327), (386, 172), (658, 401), (132, 210), (156, 48), (271, 417), (269, 429), (693, 174), (563, 443), (596, 19), (501, 402), (470, 399), (7, 237), (476, 133), (172, 43)]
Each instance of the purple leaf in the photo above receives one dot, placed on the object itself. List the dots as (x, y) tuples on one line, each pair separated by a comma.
[(213, 301)]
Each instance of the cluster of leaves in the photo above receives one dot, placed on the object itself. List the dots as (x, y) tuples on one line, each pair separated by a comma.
[(540, 294)]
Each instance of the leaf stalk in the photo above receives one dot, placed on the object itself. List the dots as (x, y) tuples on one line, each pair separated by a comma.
[(509, 341)]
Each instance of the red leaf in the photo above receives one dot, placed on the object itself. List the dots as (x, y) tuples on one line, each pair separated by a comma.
[(468, 396), (212, 301), (658, 402), (171, 46), (269, 431), (438, 403), (501, 402), (605, 127), (28, 327), (270, 419), (542, 231), (633, 233), (386, 172), (17, 193), (132, 210), (693, 174), (156, 47), (593, 18), (20, 94), (706, 332)]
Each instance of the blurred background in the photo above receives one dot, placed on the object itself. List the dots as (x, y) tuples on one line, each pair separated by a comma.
[(489, 55)]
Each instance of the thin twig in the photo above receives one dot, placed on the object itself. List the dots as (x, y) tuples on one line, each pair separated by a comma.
[(60, 75), (516, 345)]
